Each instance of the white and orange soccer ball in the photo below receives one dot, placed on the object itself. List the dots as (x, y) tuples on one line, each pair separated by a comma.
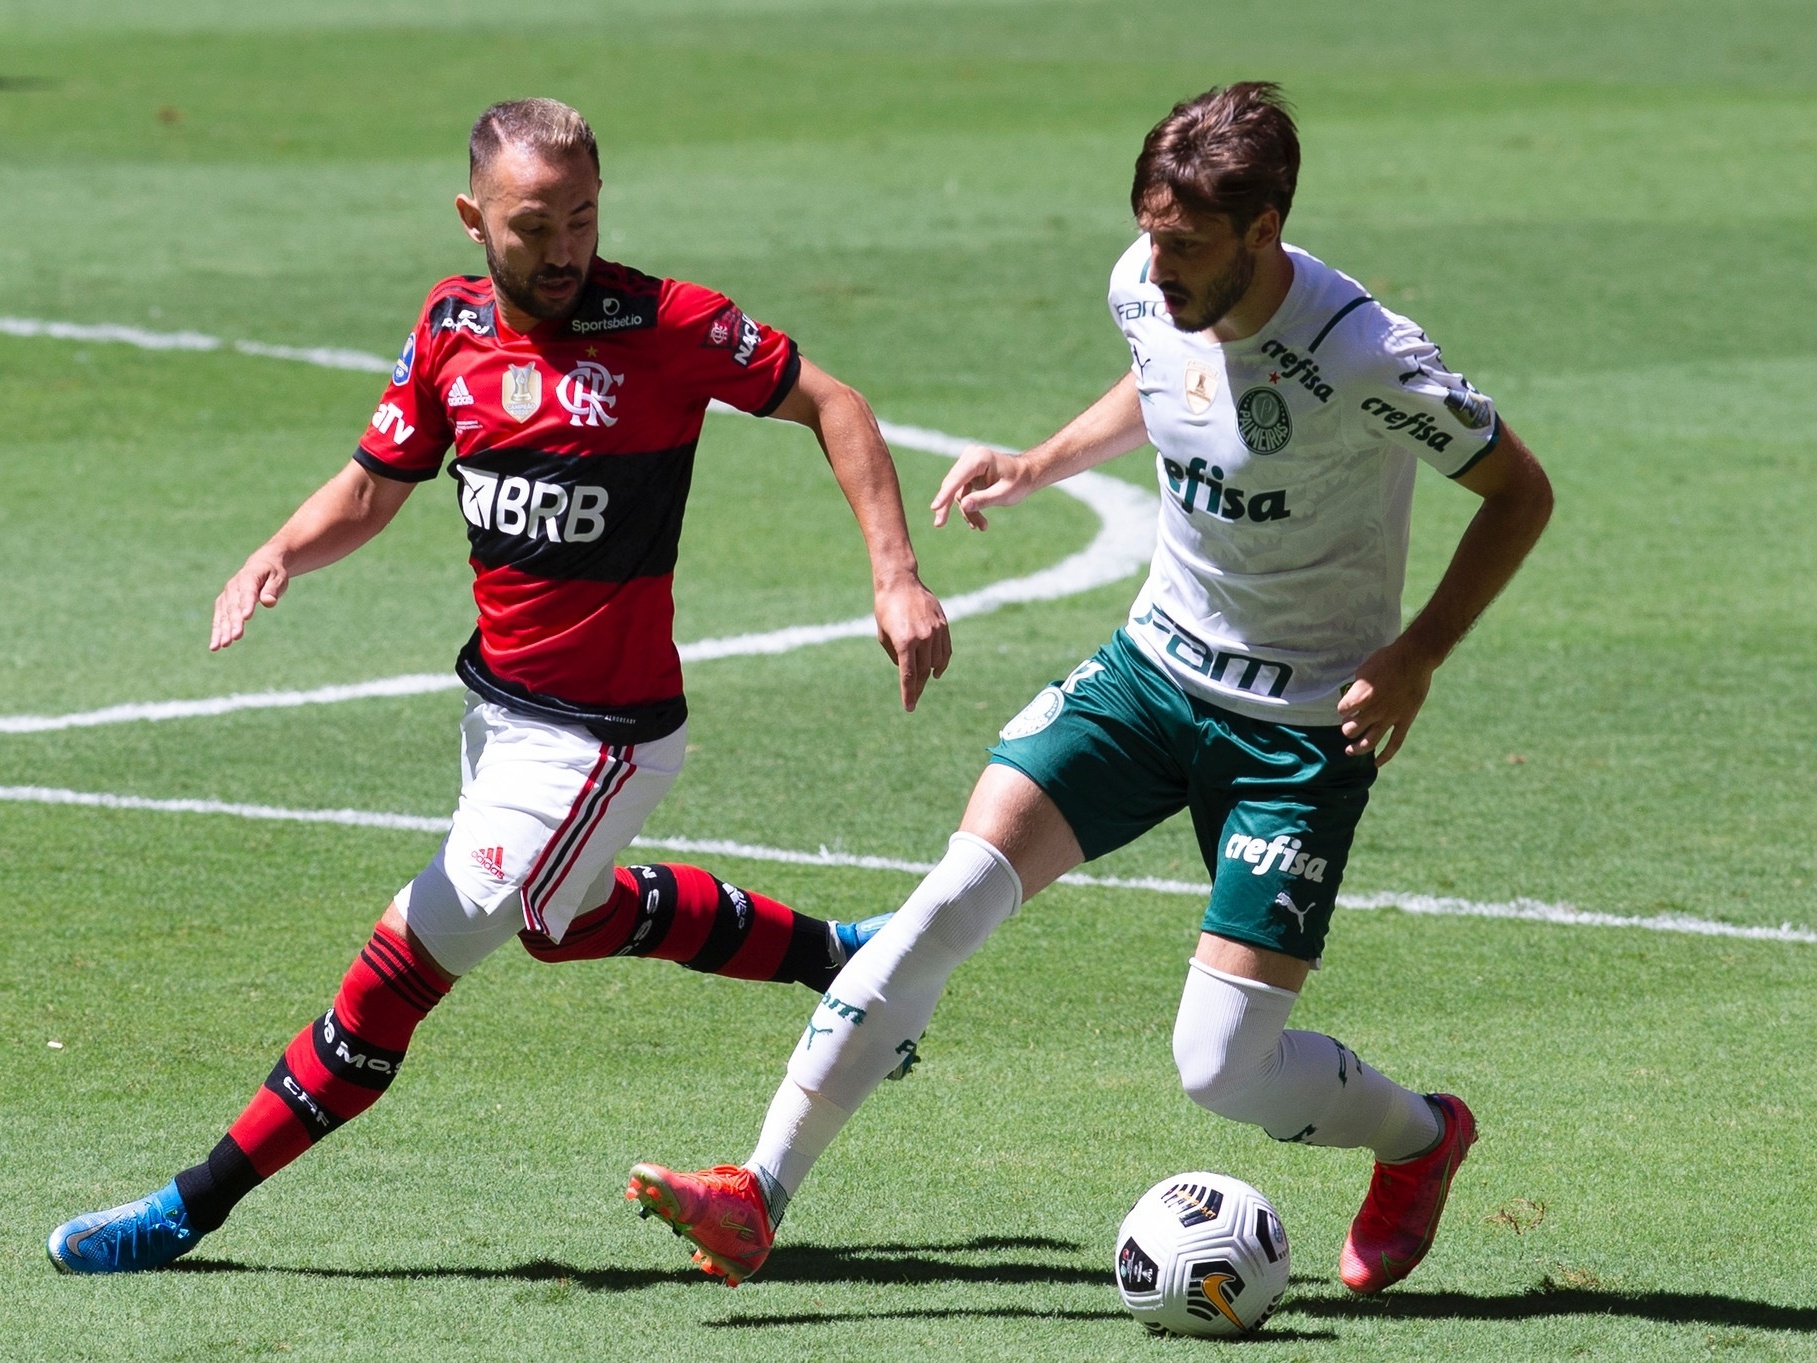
[(1202, 1254)]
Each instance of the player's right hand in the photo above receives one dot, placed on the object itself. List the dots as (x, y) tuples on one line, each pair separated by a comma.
[(981, 477), (260, 583)]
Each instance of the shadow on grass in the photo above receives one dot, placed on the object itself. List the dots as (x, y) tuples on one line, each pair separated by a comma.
[(1667, 1308), (536, 1271), (1270, 1335), (883, 1264)]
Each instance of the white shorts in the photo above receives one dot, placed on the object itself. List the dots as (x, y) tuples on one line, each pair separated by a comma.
[(545, 809)]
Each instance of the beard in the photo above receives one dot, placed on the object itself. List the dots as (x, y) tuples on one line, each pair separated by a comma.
[(520, 289), (1221, 295)]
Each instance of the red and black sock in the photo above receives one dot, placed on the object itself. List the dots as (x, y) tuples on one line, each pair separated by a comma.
[(335, 1069), (685, 914)]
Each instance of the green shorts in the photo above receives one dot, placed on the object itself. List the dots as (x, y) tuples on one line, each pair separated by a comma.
[(1119, 747)]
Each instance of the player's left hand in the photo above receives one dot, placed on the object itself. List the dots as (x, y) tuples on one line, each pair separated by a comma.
[(1380, 705), (912, 628)]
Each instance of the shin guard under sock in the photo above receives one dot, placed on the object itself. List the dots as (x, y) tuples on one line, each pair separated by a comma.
[(687, 915), (336, 1068)]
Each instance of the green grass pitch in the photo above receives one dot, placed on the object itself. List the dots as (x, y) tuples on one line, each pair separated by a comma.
[(1603, 210)]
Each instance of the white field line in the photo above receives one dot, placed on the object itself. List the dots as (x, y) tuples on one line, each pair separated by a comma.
[(1122, 547), (1524, 910)]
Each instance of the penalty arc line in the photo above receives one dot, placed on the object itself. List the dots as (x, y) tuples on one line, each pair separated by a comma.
[(1123, 545), (1523, 910)]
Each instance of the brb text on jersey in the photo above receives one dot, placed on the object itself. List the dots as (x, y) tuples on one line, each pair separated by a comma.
[(573, 450)]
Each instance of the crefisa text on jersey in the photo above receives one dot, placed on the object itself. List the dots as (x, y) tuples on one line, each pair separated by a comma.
[(1225, 503), (1416, 424), (1301, 367)]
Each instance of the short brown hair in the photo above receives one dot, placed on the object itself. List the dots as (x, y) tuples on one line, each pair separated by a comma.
[(546, 126), (1232, 151)]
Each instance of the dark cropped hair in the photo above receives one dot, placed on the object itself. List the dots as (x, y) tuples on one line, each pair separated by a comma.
[(546, 126), (1232, 151)]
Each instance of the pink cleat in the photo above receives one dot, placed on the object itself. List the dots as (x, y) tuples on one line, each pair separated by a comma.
[(720, 1209), (1399, 1218)]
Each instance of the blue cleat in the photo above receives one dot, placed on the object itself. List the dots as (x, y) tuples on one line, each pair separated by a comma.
[(851, 936), (132, 1238)]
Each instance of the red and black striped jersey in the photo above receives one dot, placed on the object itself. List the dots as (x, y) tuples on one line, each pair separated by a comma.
[(573, 448)]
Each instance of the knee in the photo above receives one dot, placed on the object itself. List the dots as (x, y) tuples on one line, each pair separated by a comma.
[(1218, 1079), (971, 892), (1227, 1040)]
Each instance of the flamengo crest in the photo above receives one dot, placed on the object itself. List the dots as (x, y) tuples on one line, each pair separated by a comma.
[(522, 390), (586, 392)]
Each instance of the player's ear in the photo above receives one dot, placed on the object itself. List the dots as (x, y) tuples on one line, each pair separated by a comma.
[(471, 217), (1264, 230)]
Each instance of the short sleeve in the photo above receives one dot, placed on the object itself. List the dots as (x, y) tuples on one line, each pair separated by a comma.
[(1416, 403), (409, 433), (723, 353)]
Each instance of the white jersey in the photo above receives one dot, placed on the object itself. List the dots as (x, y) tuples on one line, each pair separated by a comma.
[(1286, 472)]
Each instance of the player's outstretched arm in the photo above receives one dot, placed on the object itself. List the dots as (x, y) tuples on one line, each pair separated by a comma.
[(1391, 685), (340, 516), (984, 476), (911, 626)]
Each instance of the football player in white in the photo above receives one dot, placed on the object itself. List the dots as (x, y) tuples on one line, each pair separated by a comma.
[(1262, 676)]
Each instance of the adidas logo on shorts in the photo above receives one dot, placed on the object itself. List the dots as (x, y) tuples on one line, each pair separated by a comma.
[(491, 860)]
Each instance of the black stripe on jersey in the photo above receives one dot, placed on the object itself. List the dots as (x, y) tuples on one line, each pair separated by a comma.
[(374, 465), (572, 517), (1495, 438), (791, 375), (731, 925), (317, 1120), (1337, 317), (347, 1057), (656, 897), (625, 724)]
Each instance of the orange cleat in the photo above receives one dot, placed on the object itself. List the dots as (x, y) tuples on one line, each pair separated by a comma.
[(720, 1209), (1399, 1218)]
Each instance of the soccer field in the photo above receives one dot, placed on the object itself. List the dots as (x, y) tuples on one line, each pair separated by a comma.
[(1603, 211)]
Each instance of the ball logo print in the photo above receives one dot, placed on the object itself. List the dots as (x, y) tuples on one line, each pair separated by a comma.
[(1263, 420), (586, 392), (1136, 1272), (1214, 1286), (1202, 1254)]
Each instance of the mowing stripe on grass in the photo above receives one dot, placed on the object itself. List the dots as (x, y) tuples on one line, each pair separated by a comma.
[(1122, 547), (1526, 910)]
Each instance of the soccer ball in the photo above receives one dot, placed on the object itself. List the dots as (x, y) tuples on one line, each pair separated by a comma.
[(1202, 1254)]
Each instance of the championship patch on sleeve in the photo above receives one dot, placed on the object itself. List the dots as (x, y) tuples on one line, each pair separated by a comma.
[(1472, 408), (731, 330), (400, 372)]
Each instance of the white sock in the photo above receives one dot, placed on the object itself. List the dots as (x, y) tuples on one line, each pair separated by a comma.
[(878, 1006), (796, 1129), (1236, 1059)]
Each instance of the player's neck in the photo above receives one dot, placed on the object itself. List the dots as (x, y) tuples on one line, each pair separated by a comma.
[(1266, 292)]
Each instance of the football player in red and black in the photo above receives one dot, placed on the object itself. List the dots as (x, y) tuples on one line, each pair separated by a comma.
[(571, 392)]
